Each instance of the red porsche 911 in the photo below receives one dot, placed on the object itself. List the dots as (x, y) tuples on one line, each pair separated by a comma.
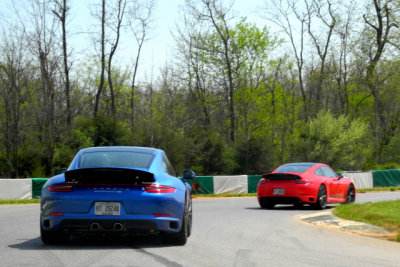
[(304, 183)]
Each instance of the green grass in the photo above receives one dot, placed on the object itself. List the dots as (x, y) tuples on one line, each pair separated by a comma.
[(378, 189), (385, 214), (19, 201)]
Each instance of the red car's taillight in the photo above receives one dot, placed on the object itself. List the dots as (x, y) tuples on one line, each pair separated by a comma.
[(154, 188), (300, 181), (60, 188), (262, 181)]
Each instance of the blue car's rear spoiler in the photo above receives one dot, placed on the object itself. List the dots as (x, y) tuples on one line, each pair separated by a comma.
[(113, 176)]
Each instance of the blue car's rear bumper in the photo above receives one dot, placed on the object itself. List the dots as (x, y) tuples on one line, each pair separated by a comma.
[(147, 213), (112, 225)]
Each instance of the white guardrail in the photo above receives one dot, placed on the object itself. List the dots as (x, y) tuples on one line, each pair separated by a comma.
[(234, 184), (15, 188)]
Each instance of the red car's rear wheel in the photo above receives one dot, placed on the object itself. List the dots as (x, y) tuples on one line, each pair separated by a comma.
[(351, 195), (321, 199), (266, 204)]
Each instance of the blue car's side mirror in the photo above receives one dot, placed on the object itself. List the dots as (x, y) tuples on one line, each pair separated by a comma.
[(188, 175)]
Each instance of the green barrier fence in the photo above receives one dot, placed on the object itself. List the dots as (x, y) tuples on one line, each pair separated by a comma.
[(37, 184), (386, 178), (252, 181), (202, 185)]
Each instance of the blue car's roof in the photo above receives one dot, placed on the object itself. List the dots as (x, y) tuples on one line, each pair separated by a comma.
[(152, 165), (148, 160), (123, 148)]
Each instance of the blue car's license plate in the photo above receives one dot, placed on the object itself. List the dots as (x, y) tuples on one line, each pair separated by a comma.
[(107, 208)]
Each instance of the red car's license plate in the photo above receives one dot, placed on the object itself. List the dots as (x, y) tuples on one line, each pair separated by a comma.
[(278, 191), (107, 208)]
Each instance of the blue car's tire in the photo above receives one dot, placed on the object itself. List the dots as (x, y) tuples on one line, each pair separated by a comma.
[(52, 237), (190, 222), (180, 238)]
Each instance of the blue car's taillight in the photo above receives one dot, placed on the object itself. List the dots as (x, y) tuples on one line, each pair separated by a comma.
[(60, 188), (154, 188), (56, 213)]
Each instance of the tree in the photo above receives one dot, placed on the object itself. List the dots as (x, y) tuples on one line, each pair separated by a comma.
[(382, 26), (102, 57), (42, 38), (140, 19), (282, 13), (216, 14), (341, 58), (338, 142), (195, 72), (14, 91), (116, 23), (60, 10), (325, 12)]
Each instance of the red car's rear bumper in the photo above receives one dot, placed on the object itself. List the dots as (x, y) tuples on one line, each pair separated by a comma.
[(284, 192)]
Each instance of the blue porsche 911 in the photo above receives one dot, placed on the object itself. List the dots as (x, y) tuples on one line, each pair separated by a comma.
[(117, 191)]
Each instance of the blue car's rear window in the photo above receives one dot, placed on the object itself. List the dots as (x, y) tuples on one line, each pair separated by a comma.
[(293, 168), (115, 159)]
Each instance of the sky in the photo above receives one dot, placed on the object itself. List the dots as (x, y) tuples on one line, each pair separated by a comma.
[(157, 50), (160, 48)]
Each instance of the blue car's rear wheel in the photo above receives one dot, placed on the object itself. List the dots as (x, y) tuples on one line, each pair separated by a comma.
[(190, 221), (52, 237), (180, 238)]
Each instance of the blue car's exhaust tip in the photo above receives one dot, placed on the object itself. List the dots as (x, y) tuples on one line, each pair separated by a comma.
[(95, 226), (118, 227)]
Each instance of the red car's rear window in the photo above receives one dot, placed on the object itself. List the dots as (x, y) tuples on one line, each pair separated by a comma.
[(293, 168)]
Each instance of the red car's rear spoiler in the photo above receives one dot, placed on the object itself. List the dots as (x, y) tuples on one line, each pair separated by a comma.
[(108, 176), (281, 176)]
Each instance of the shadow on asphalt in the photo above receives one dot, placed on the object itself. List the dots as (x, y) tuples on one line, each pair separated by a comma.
[(84, 242)]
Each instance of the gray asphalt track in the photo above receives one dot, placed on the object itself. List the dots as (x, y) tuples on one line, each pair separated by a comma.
[(226, 232)]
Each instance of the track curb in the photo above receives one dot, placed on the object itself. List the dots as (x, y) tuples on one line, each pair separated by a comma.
[(326, 219)]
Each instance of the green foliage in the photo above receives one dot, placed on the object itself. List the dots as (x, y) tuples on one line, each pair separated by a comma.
[(83, 133), (31, 160), (107, 131), (254, 156), (186, 110), (387, 166), (391, 152), (63, 156), (212, 158), (339, 142)]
